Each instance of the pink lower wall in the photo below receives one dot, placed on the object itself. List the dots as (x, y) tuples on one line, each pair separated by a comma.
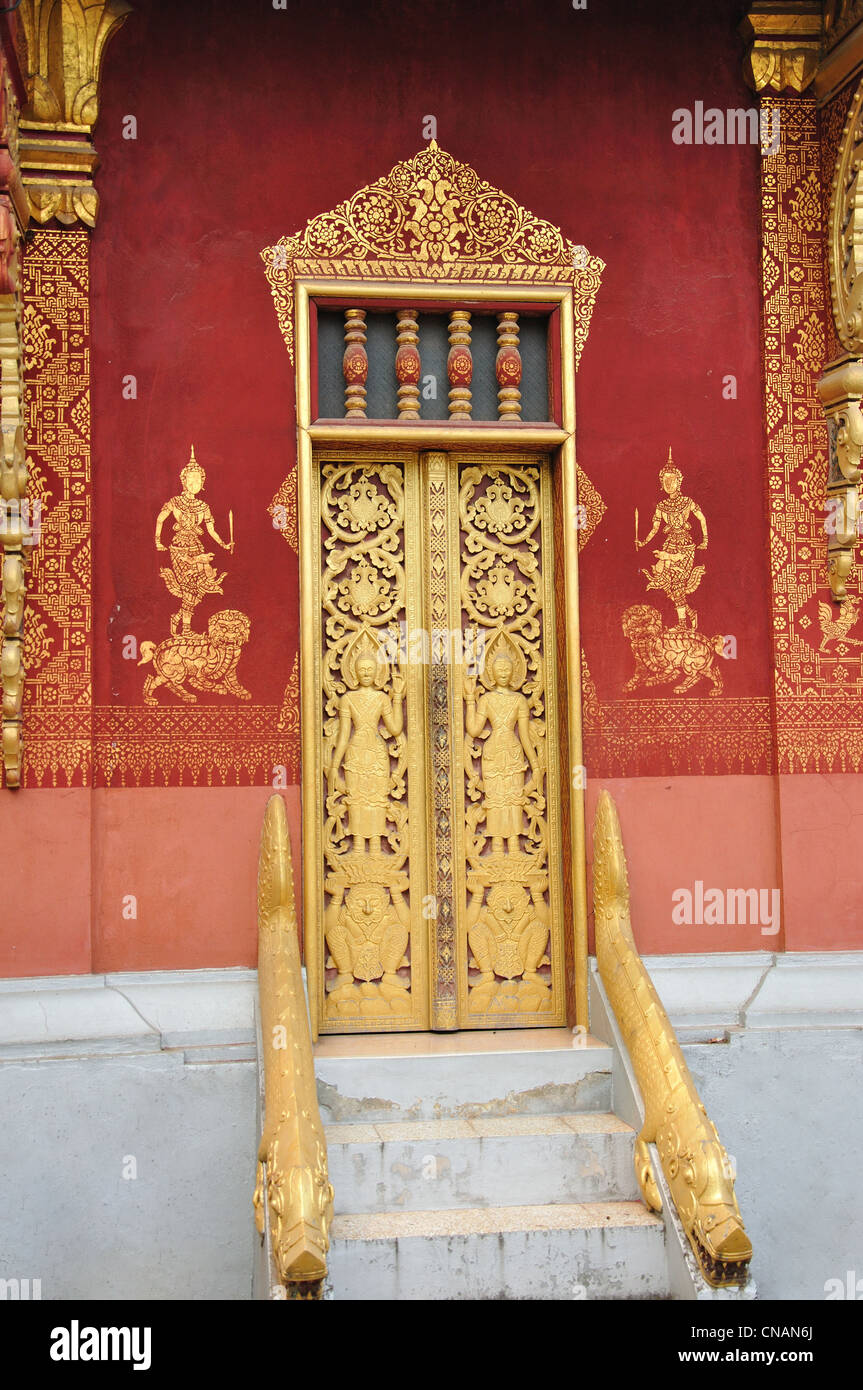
[(45, 893), (821, 817), (189, 858), (676, 830)]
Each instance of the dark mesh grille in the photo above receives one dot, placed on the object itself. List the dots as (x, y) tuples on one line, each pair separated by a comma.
[(483, 346), (331, 383), (434, 347), (534, 361), (381, 348)]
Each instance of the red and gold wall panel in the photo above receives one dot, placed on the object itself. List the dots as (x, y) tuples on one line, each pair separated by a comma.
[(184, 350)]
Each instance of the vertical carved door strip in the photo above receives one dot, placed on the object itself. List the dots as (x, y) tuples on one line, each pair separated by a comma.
[(441, 545), (439, 849)]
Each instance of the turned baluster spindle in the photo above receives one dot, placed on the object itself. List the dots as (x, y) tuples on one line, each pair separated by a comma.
[(408, 366), (507, 367), (459, 365), (355, 364)]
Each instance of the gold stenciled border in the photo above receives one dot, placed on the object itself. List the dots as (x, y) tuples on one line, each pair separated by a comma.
[(58, 633)]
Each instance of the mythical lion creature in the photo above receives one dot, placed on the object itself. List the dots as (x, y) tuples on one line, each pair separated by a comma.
[(662, 654), (206, 662)]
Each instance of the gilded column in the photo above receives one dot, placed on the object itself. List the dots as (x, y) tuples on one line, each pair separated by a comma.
[(62, 47), (459, 365), (841, 391), (783, 44), (813, 427), (355, 364), (508, 367), (408, 367), (16, 528), (66, 41), (841, 386)]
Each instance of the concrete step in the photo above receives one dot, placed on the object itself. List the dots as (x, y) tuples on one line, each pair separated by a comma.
[(374, 1078), (599, 1250), (504, 1161)]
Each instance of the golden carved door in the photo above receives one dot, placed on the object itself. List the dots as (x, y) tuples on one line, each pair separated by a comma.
[(438, 841)]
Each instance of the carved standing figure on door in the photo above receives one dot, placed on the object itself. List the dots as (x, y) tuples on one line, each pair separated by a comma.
[(366, 758), (507, 753)]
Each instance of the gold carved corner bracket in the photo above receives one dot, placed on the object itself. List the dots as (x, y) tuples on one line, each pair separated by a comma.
[(783, 44), (66, 41)]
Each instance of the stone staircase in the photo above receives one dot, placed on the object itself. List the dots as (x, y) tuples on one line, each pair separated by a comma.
[(482, 1166)]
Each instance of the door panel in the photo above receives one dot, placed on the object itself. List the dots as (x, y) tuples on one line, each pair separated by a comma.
[(439, 856), (510, 899), (372, 721)]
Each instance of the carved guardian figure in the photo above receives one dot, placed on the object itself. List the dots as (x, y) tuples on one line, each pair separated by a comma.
[(664, 654), (207, 663)]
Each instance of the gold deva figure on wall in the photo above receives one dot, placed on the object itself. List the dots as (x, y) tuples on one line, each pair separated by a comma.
[(206, 661), (674, 570), (191, 576)]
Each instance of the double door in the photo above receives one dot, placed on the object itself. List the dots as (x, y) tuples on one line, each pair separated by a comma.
[(436, 838)]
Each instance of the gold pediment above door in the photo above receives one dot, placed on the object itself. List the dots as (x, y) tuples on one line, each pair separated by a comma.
[(432, 218)]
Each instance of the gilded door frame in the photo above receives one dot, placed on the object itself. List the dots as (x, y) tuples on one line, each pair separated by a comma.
[(556, 440)]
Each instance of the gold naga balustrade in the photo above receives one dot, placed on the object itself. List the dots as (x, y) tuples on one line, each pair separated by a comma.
[(293, 1185), (696, 1166)]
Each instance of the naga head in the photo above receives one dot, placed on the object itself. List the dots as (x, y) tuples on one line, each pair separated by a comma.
[(300, 1202), (701, 1177)]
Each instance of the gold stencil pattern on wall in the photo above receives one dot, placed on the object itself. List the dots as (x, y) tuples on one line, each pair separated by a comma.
[(283, 510), (818, 669), (56, 329), (192, 660), (192, 745)]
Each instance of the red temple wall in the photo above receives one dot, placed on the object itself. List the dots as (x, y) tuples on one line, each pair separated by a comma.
[(251, 121)]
